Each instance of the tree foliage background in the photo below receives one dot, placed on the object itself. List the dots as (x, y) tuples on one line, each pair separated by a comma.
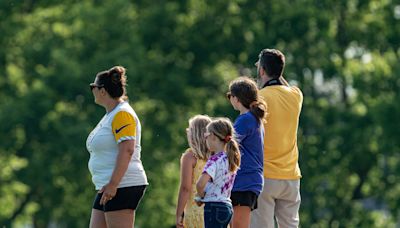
[(180, 57)]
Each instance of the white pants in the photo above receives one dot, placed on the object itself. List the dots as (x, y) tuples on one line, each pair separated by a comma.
[(279, 198)]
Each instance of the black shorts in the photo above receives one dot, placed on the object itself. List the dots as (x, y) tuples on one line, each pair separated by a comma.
[(126, 198), (245, 198)]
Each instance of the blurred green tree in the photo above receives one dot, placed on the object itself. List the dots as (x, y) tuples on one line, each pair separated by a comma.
[(180, 56)]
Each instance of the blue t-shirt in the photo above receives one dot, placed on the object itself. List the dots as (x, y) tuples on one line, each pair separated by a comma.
[(250, 136)]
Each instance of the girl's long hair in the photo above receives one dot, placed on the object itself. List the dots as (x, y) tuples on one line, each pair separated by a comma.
[(197, 141), (223, 129), (245, 89)]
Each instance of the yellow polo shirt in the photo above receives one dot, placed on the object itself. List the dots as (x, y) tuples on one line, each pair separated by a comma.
[(280, 139)]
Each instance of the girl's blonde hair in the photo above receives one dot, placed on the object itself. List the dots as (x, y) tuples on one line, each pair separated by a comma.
[(222, 128), (197, 141)]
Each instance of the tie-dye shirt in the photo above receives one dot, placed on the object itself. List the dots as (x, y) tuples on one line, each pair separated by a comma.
[(218, 189)]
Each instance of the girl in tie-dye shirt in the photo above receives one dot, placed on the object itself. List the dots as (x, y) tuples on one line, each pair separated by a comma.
[(215, 184)]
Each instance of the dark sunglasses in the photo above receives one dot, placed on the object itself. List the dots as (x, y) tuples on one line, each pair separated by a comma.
[(92, 86)]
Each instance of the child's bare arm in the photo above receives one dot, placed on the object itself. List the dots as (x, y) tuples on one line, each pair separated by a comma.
[(201, 184), (187, 164)]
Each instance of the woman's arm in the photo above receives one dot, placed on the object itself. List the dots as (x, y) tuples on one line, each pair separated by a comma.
[(188, 162), (125, 152)]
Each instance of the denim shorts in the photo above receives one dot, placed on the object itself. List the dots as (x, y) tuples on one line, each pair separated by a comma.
[(217, 214)]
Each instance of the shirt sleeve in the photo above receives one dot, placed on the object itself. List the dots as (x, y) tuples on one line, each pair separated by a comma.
[(240, 127), (210, 168), (300, 94), (124, 127)]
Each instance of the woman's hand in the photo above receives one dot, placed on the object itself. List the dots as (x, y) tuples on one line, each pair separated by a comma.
[(125, 151), (109, 190)]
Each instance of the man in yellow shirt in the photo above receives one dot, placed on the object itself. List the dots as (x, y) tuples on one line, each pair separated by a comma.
[(280, 197)]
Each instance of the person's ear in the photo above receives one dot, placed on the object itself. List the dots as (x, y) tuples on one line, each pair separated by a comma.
[(212, 137), (236, 99), (102, 91), (262, 71)]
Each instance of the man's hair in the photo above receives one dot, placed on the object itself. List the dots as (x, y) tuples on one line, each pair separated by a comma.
[(272, 61)]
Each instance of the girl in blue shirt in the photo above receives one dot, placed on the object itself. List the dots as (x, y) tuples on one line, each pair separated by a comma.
[(243, 95)]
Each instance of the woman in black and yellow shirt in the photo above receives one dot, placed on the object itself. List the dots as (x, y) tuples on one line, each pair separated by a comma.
[(114, 147)]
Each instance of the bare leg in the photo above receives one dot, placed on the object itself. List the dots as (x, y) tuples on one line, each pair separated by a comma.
[(241, 217), (120, 219), (97, 219)]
